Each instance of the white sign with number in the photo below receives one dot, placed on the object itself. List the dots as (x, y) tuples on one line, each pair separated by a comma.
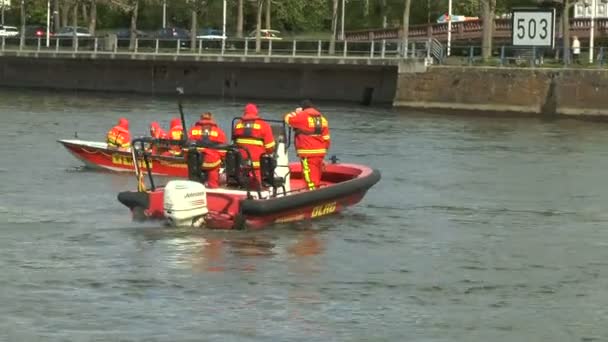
[(533, 27)]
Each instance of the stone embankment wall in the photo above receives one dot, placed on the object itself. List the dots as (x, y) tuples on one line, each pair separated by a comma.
[(546, 91)]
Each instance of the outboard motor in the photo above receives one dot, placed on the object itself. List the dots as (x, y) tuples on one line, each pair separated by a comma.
[(194, 160), (185, 203)]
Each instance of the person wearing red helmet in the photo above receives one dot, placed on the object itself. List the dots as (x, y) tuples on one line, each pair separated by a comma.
[(176, 132), (157, 132), (312, 141), (207, 130), (119, 137), (254, 134)]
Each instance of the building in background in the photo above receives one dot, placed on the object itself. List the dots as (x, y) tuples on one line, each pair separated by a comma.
[(582, 11)]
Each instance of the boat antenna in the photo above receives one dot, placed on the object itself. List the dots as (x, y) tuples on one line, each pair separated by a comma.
[(180, 92)]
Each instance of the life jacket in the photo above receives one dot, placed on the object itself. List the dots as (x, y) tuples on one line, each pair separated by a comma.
[(157, 132), (311, 133), (250, 134), (118, 137), (209, 131), (176, 133), (315, 125), (255, 135)]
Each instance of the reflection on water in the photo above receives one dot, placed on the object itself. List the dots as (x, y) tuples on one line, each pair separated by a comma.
[(209, 257), (214, 251), (308, 244)]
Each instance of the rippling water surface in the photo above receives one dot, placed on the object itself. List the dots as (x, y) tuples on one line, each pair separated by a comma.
[(481, 229)]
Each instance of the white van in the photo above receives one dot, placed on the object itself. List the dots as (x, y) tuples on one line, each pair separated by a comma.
[(8, 31)]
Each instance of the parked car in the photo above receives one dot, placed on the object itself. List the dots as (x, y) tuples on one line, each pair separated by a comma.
[(8, 31), (266, 35), (210, 34), (172, 33), (68, 31), (125, 33), (35, 31)]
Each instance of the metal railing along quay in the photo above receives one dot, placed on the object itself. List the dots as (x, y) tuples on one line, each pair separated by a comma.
[(472, 30), (242, 49), (513, 56)]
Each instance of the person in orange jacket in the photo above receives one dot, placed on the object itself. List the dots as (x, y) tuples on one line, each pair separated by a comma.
[(119, 137), (176, 132), (253, 133), (207, 130), (206, 122), (158, 133), (312, 141)]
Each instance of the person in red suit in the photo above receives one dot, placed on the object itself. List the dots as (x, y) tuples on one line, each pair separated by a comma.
[(312, 140), (118, 137), (254, 134), (207, 130), (176, 132), (157, 132)]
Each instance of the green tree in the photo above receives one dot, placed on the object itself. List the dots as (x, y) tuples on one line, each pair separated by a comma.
[(268, 14), (93, 17), (56, 22), (35, 11), (467, 7), (22, 15), (334, 27), (196, 6), (75, 23), (488, 10), (239, 19), (406, 25), (299, 16), (132, 8), (258, 25), (567, 5)]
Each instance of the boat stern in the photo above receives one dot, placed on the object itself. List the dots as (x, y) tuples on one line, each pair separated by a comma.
[(143, 205)]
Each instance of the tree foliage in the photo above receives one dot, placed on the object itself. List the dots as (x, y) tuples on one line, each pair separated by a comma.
[(287, 15), (300, 16)]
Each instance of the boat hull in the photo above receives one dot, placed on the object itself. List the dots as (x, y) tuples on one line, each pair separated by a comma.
[(344, 185), (96, 155)]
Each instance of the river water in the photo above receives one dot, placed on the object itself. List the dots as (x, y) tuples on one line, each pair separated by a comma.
[(481, 229)]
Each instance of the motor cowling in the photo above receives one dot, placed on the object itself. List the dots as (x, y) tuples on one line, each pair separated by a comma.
[(185, 203)]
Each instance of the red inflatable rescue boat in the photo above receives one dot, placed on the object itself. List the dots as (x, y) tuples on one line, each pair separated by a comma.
[(97, 155), (284, 196)]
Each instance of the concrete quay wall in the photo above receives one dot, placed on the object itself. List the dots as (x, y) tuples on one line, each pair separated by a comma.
[(492, 89), (286, 78)]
